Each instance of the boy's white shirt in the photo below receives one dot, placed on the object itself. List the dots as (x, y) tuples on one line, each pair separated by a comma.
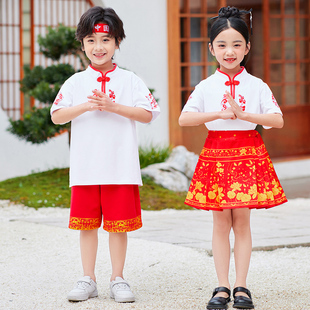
[(104, 147), (251, 93)]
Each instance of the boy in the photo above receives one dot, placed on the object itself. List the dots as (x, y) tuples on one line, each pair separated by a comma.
[(103, 102)]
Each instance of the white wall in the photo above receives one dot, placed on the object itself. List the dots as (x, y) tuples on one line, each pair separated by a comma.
[(18, 157), (144, 51)]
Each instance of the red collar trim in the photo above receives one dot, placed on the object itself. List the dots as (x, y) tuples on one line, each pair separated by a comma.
[(114, 64), (231, 82), (104, 77), (242, 69)]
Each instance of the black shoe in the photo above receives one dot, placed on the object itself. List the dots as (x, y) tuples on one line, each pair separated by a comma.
[(242, 302), (219, 302)]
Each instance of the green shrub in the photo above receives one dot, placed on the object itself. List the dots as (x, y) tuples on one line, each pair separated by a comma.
[(58, 73), (58, 41), (45, 92), (36, 127), (153, 154), (32, 77)]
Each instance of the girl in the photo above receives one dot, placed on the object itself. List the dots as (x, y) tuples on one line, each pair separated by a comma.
[(234, 173), (103, 102)]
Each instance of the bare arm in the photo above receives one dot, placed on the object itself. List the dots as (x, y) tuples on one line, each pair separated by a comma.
[(101, 102), (269, 120), (198, 118), (65, 115)]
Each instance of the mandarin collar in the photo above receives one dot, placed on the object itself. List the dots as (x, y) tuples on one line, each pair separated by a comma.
[(226, 77), (97, 73)]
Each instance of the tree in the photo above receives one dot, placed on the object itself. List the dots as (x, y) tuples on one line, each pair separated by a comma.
[(44, 83)]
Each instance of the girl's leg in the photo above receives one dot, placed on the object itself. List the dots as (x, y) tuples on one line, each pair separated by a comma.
[(243, 244), (89, 246), (118, 248), (222, 223)]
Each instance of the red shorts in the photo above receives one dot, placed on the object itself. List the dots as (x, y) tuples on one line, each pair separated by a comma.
[(119, 205)]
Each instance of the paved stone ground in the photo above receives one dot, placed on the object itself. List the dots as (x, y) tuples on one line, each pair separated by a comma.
[(40, 262), (168, 262)]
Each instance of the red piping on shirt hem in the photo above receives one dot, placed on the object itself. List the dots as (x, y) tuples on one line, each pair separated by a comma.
[(104, 76), (232, 83)]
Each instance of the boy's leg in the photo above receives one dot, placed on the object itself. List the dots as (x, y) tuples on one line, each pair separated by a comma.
[(89, 246), (222, 223), (243, 244), (118, 248), (86, 287), (86, 216), (119, 288)]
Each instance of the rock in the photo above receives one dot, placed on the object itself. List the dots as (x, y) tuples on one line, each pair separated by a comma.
[(176, 172)]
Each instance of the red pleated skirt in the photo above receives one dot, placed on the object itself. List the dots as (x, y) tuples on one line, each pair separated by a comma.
[(234, 170)]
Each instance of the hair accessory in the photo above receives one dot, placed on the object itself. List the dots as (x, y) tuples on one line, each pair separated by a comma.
[(101, 28), (240, 12), (251, 18)]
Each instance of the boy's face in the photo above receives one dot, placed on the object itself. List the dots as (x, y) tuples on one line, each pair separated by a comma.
[(99, 48)]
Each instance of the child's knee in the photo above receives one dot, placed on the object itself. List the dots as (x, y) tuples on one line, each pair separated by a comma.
[(222, 221), (241, 222)]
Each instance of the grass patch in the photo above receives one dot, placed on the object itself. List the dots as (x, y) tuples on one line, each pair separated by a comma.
[(51, 189), (156, 197), (44, 189)]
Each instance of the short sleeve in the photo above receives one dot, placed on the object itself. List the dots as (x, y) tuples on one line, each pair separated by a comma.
[(195, 102), (64, 98), (143, 98), (268, 102)]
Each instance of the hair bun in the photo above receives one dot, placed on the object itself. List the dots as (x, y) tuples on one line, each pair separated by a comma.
[(228, 11)]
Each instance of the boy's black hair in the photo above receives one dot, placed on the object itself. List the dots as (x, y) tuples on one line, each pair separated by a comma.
[(98, 14), (230, 17)]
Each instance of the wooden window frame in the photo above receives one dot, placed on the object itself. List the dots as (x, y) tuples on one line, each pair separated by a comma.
[(295, 111), (267, 17), (13, 103), (175, 63)]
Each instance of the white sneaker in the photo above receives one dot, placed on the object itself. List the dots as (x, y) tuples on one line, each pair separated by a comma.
[(85, 288), (120, 291)]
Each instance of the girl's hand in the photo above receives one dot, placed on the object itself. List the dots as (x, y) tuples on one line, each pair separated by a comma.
[(101, 101), (228, 114), (234, 106)]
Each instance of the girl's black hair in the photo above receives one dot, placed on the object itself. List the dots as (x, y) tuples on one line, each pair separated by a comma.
[(230, 17), (98, 14)]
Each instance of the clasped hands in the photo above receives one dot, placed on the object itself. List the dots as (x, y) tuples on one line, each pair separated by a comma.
[(100, 101), (234, 111)]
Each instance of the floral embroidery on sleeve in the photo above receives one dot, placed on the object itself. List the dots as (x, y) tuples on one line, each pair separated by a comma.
[(152, 101), (58, 98), (274, 100)]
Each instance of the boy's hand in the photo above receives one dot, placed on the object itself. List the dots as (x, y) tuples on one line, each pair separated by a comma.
[(101, 101)]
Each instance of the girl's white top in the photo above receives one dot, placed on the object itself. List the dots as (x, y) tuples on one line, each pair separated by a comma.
[(250, 92), (104, 147)]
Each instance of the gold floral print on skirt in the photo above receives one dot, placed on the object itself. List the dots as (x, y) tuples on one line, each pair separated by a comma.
[(234, 170)]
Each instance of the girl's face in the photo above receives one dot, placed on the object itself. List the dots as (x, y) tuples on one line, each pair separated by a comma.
[(229, 49), (100, 48)]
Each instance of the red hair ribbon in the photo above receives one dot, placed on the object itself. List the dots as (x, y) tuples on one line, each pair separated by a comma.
[(101, 28)]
